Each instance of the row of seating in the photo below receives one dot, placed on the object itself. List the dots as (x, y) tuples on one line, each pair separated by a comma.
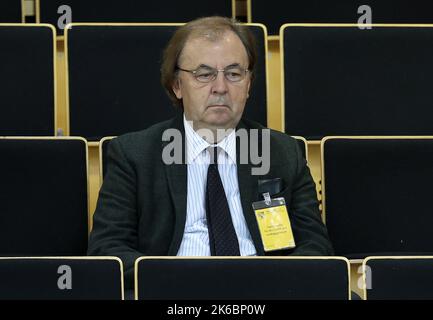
[(112, 79), (259, 11), (375, 195), (336, 80), (44, 195), (175, 278)]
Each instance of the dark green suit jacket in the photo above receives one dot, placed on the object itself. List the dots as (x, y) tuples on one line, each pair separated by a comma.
[(141, 210)]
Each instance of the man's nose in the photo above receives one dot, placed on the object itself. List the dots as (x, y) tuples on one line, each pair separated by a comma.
[(219, 85)]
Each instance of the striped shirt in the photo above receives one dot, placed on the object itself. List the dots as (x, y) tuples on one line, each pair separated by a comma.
[(195, 241)]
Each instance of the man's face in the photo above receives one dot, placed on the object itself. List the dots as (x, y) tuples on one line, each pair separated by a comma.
[(219, 103)]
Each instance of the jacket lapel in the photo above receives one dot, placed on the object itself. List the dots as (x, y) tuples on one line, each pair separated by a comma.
[(248, 194), (177, 183)]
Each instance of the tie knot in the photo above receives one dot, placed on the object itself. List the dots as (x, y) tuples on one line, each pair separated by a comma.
[(214, 154)]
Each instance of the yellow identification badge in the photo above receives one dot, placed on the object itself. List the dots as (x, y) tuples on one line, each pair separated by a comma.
[(274, 224)]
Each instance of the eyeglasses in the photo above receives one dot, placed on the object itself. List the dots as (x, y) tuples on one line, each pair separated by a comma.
[(206, 74)]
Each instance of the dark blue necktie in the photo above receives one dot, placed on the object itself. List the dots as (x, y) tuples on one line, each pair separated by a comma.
[(222, 236)]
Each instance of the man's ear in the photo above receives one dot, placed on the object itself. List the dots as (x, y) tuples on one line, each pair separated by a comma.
[(176, 89), (248, 89)]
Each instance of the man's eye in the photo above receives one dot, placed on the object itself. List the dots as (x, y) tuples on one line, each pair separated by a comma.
[(233, 74), (204, 76)]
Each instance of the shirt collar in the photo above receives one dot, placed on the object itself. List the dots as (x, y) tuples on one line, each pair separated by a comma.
[(196, 144)]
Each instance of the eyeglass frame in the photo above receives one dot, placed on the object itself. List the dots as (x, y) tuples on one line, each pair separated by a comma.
[(194, 71)]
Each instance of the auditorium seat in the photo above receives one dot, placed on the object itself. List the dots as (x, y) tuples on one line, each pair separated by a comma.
[(398, 278), (43, 196), (250, 278), (27, 83), (11, 11), (337, 11), (103, 148), (133, 10), (114, 78), (61, 278), (340, 80), (376, 195)]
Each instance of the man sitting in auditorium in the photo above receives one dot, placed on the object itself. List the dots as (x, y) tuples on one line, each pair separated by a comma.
[(203, 206)]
